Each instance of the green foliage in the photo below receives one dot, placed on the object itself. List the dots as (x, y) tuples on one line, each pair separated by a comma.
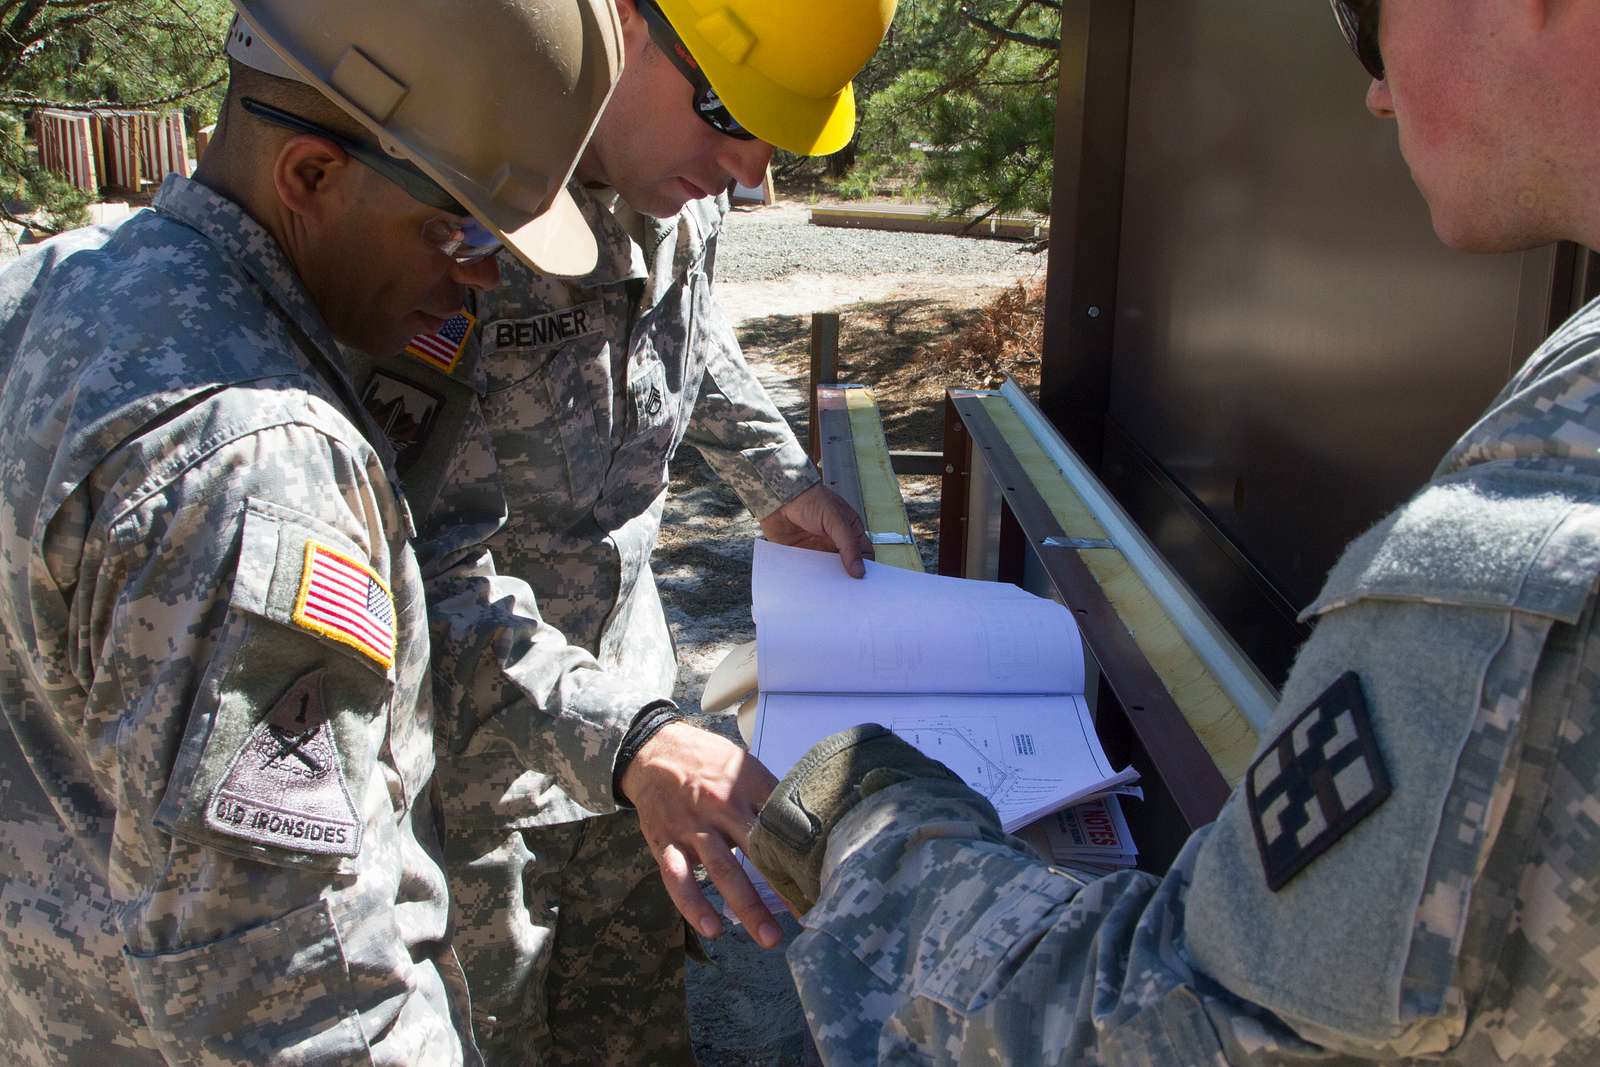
[(107, 53), (961, 99)]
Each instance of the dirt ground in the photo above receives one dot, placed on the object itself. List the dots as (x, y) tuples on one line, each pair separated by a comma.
[(895, 334)]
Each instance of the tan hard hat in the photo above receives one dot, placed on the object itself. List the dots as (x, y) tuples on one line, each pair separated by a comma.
[(494, 100)]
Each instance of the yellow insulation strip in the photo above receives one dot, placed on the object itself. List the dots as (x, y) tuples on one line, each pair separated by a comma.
[(1219, 724), (880, 488)]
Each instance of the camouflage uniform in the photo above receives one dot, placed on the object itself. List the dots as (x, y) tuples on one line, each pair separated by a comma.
[(1439, 902), (537, 459), (219, 844)]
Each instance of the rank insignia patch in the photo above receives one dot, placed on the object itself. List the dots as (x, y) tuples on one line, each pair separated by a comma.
[(443, 350), (1321, 777), (405, 414), (285, 787), (347, 601)]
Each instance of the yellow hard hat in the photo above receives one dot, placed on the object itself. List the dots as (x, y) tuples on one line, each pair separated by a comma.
[(494, 100), (783, 67)]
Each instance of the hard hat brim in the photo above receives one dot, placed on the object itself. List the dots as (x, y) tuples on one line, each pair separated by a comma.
[(559, 242)]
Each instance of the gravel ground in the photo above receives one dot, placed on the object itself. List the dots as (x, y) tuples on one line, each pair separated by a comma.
[(774, 270), (762, 244)]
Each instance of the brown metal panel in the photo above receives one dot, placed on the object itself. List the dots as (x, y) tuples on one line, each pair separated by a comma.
[(1294, 350), (824, 370), (1577, 282), (1239, 596), (953, 492), (1175, 753), (1085, 219), (838, 447)]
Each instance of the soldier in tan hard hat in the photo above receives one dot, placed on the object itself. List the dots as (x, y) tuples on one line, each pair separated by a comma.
[(537, 438), (218, 725)]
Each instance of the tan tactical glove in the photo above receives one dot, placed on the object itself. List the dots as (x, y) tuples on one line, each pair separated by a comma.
[(791, 835)]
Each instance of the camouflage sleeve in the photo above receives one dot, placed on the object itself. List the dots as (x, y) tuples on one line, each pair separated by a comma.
[(506, 679), (269, 760), (503, 677), (1357, 902), (735, 424)]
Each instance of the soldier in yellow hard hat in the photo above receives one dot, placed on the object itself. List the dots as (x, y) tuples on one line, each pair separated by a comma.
[(216, 713), (536, 442)]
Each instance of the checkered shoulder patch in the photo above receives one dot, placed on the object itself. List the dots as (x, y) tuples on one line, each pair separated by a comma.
[(1320, 777)]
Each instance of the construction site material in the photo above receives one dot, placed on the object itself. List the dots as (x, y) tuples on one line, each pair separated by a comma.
[(779, 241), (906, 219), (112, 149), (67, 147), (856, 465)]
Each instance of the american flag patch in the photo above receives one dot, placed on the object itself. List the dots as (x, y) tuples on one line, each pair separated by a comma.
[(345, 600), (443, 349)]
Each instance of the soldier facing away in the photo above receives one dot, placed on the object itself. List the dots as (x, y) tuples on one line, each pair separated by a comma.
[(1411, 869), (219, 726), (537, 432)]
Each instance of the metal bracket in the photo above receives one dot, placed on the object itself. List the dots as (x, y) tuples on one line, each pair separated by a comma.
[(1077, 542), (890, 539)]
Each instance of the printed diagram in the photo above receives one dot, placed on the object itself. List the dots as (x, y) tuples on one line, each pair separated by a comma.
[(974, 749)]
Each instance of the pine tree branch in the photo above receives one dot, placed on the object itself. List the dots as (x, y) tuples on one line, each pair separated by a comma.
[(994, 29), (96, 105)]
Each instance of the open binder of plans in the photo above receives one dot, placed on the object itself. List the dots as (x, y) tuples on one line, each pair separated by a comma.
[(983, 676)]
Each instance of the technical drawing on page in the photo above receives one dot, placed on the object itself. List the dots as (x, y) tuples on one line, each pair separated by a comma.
[(974, 750), (891, 654)]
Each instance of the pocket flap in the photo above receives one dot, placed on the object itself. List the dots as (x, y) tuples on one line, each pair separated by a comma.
[(1493, 536), (243, 999), (301, 573)]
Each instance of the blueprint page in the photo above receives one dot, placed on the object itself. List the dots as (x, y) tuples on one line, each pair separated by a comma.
[(896, 631), (1029, 755)]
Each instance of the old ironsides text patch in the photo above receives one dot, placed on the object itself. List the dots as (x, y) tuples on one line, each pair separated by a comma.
[(1319, 778), (285, 788)]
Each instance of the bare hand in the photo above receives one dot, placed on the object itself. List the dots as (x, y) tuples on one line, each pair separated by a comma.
[(819, 518), (698, 795)]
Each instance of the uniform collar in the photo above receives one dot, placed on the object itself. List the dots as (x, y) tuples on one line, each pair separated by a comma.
[(246, 242), (621, 259), (1550, 409)]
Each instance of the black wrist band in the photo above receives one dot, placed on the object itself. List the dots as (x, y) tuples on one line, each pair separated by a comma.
[(646, 725)]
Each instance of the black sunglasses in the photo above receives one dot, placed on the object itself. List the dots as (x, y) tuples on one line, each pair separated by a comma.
[(707, 104), (1358, 21), (402, 172)]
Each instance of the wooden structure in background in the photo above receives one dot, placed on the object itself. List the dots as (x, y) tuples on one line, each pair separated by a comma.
[(110, 149), (69, 146)]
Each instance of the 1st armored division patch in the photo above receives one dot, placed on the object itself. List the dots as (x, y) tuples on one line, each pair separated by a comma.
[(1319, 778), (285, 787)]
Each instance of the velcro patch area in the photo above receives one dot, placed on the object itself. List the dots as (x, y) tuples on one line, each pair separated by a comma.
[(442, 350), (344, 599), (1320, 777), (285, 787)]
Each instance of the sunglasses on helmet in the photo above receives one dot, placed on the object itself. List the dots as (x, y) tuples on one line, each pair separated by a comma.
[(465, 240), (1358, 21), (707, 104)]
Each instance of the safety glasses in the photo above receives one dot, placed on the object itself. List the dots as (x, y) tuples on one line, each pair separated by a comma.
[(464, 239), (707, 104), (1358, 21)]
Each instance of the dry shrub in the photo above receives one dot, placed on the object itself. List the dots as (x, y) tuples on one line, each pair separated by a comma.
[(1006, 338)]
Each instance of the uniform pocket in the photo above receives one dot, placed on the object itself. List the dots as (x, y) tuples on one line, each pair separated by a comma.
[(551, 453), (276, 993)]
